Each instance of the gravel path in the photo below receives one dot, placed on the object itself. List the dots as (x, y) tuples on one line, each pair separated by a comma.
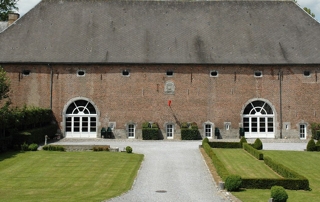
[(171, 171), (174, 171)]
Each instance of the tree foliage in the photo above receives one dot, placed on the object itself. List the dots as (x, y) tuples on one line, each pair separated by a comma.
[(308, 10), (7, 6), (4, 84)]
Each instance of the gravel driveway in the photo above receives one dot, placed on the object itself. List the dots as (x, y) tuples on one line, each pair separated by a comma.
[(172, 171)]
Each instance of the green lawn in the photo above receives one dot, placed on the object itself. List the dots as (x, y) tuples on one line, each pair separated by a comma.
[(66, 176), (240, 162), (305, 163)]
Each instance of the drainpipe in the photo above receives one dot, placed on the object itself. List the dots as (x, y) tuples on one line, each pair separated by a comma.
[(280, 97), (51, 84)]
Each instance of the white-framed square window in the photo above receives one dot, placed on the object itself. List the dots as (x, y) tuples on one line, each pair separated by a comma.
[(214, 73), (208, 130), (81, 73), (257, 74), (303, 131), (131, 130), (170, 130)]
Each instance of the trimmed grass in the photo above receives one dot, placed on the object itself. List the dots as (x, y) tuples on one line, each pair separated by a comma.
[(66, 176), (240, 162), (305, 163)]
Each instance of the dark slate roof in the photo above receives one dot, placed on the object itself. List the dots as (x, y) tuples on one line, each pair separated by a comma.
[(3, 25), (194, 32)]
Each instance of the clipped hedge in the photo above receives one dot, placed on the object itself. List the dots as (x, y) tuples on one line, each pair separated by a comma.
[(230, 145), (35, 135), (53, 148), (190, 134), (190, 131), (254, 152), (264, 183), (221, 169), (25, 118), (150, 133)]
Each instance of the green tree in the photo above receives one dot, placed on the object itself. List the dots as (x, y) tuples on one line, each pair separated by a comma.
[(308, 10), (7, 6), (4, 84)]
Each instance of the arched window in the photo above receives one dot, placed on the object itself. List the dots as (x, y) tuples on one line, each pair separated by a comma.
[(258, 120), (81, 120)]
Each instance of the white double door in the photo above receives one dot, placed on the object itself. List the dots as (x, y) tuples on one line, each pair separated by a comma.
[(78, 126)]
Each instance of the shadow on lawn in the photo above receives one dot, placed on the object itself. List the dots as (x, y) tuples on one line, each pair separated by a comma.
[(8, 154)]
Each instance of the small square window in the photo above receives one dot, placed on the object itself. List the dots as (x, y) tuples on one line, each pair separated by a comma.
[(214, 73), (26, 72), (258, 74), (125, 73), (169, 73), (306, 73), (81, 73)]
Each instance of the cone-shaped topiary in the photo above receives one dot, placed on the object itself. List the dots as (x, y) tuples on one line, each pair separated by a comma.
[(233, 183), (243, 140), (279, 194), (311, 146), (257, 144)]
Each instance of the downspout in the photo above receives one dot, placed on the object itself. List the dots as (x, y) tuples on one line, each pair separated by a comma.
[(51, 84), (280, 97)]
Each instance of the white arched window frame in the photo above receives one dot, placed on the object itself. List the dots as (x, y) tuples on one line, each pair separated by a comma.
[(81, 119), (259, 120)]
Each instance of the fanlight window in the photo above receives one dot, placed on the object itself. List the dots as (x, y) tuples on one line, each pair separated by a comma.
[(258, 108), (258, 120), (81, 107), (81, 120)]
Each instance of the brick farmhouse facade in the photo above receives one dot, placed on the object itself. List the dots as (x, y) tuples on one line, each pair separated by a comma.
[(221, 64)]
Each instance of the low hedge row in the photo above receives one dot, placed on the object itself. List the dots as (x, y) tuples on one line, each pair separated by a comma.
[(221, 169), (190, 134), (53, 148), (262, 183), (228, 145), (254, 152), (150, 133), (282, 170), (36, 135)]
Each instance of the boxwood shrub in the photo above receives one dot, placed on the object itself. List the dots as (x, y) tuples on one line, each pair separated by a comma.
[(242, 140), (53, 148), (221, 169), (33, 147), (311, 146), (257, 144), (279, 194), (254, 152), (190, 131), (150, 133), (233, 183), (229, 145), (265, 183)]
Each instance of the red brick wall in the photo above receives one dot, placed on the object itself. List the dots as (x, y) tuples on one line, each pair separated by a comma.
[(198, 97)]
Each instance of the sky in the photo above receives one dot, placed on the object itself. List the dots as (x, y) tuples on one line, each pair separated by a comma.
[(25, 5)]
